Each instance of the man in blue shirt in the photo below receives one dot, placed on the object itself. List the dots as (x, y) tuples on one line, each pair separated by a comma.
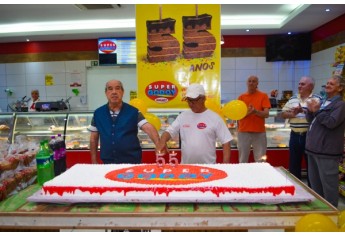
[(116, 125)]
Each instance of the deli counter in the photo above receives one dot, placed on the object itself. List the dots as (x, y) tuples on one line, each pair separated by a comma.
[(36, 126)]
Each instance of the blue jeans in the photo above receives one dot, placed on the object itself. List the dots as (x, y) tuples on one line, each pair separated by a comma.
[(297, 147)]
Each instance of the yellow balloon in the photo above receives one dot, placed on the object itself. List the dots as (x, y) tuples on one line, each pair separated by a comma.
[(315, 223), (154, 120), (220, 113), (139, 104), (341, 219), (209, 104), (235, 110), (342, 228)]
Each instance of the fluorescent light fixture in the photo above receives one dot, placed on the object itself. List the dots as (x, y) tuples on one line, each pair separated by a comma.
[(227, 22), (67, 26), (252, 20), (262, 21)]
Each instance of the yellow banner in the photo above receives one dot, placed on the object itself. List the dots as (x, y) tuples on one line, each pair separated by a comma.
[(177, 44)]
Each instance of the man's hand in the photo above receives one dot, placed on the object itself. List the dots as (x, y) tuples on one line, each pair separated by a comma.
[(297, 110)]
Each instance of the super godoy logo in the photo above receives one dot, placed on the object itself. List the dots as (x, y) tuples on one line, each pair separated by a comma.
[(161, 91), (107, 47)]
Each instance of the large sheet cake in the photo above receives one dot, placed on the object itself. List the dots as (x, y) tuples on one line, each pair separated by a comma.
[(254, 182)]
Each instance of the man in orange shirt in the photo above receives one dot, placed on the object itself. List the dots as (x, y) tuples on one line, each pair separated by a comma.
[(251, 129)]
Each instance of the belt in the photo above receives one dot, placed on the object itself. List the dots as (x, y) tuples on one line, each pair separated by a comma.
[(299, 133)]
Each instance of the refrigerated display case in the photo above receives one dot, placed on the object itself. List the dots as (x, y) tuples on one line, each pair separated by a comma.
[(277, 131), (77, 137), (37, 126), (73, 126)]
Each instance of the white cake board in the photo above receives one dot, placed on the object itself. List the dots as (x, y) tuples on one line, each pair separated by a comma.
[(301, 195)]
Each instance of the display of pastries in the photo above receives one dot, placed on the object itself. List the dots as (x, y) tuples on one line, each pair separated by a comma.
[(4, 127)]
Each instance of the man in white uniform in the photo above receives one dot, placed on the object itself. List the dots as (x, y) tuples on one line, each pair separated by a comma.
[(35, 97), (199, 129)]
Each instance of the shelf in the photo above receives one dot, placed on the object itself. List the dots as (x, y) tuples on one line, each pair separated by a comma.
[(342, 190)]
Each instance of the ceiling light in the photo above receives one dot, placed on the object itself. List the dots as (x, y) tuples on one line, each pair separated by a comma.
[(27, 40), (222, 39), (227, 22), (328, 9), (66, 25), (252, 20), (247, 30), (262, 21)]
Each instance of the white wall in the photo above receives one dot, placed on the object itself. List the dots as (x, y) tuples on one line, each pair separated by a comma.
[(272, 75), (321, 65), (97, 78), (23, 77)]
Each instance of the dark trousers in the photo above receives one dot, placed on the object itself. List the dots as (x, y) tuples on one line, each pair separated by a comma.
[(297, 147), (324, 177)]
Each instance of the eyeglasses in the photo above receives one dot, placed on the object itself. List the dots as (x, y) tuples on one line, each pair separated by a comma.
[(191, 100)]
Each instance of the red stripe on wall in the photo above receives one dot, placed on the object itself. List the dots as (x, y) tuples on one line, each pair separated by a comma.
[(335, 26), (244, 41), (49, 46)]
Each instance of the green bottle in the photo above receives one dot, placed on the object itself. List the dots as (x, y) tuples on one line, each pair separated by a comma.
[(45, 168), (51, 152)]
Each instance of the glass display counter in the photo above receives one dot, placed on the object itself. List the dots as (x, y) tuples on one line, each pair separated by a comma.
[(277, 131), (77, 136), (37, 126), (73, 126)]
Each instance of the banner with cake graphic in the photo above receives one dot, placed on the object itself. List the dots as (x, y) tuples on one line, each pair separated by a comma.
[(177, 45)]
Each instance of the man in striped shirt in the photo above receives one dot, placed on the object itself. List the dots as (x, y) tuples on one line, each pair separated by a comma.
[(295, 110)]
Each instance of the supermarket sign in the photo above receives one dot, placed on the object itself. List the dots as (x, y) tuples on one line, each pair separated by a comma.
[(161, 91)]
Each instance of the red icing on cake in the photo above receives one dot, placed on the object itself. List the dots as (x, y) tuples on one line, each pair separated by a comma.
[(162, 190)]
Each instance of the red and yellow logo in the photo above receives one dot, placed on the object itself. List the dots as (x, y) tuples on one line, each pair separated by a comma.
[(167, 175)]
